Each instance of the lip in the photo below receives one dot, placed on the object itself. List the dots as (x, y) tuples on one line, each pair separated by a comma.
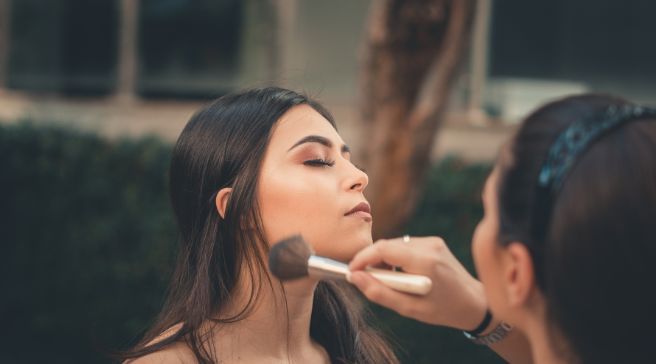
[(362, 210)]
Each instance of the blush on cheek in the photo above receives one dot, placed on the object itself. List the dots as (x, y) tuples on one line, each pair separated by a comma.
[(486, 264), (477, 250)]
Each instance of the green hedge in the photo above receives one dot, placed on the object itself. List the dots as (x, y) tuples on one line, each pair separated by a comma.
[(88, 242)]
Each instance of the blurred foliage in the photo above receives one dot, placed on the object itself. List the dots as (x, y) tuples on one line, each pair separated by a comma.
[(88, 243)]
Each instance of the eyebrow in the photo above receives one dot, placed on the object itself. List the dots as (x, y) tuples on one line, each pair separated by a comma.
[(320, 140)]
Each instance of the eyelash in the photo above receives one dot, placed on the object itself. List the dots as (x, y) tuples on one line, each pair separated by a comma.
[(319, 163), (327, 163)]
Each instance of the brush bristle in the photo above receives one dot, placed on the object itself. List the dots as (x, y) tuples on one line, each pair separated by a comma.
[(288, 259)]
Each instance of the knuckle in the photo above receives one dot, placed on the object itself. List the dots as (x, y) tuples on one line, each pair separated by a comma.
[(437, 244)]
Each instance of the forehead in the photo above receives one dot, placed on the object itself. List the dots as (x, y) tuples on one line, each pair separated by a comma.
[(301, 121)]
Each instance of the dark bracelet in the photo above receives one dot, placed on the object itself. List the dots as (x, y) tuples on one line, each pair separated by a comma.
[(493, 337), (483, 325)]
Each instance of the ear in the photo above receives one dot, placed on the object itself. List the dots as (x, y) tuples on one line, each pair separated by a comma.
[(221, 200), (518, 274)]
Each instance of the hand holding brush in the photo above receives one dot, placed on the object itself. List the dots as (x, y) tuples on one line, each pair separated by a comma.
[(293, 258)]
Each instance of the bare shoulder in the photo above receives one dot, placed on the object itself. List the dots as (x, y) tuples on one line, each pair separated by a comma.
[(176, 353)]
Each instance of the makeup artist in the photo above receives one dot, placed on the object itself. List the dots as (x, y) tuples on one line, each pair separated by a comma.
[(566, 247)]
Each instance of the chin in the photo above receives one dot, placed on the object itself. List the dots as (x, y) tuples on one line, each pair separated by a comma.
[(345, 249), (339, 244)]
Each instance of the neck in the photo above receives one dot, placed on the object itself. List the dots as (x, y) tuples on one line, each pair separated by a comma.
[(543, 352), (547, 347), (278, 327)]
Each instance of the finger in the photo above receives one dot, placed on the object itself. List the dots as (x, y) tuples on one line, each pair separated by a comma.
[(377, 292), (390, 252)]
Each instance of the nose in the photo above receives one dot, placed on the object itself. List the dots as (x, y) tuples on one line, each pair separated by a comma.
[(357, 180)]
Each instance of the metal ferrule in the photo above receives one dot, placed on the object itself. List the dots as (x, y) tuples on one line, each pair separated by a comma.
[(326, 268)]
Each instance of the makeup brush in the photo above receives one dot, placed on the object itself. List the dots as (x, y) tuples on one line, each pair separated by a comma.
[(293, 258)]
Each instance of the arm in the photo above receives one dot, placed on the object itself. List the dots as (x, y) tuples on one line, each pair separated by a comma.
[(466, 304)]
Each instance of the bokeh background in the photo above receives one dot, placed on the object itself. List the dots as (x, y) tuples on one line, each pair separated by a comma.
[(94, 92)]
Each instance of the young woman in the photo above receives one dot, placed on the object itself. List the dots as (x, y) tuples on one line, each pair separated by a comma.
[(565, 249), (248, 170)]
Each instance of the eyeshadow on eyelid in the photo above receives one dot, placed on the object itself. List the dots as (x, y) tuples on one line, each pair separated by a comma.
[(306, 153)]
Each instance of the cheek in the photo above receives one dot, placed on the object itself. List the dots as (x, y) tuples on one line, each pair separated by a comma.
[(289, 208), (298, 205), (483, 247), (311, 207), (478, 247)]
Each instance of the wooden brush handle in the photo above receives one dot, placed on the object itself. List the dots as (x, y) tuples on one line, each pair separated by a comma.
[(404, 282)]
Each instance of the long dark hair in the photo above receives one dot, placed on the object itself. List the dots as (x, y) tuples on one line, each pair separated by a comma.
[(223, 145), (594, 258)]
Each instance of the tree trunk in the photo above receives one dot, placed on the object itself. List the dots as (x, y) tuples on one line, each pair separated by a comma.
[(128, 50), (282, 15), (413, 53)]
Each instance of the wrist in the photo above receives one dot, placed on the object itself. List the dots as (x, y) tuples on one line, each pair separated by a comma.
[(489, 330), (491, 326), (476, 310), (493, 336), (483, 326)]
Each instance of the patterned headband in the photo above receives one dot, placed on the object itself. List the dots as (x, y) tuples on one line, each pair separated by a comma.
[(572, 142), (560, 159), (568, 147)]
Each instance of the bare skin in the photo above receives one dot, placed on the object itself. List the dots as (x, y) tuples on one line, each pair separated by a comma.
[(307, 185), (507, 286), (466, 304)]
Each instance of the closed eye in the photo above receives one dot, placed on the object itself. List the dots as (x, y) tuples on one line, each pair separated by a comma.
[(319, 162)]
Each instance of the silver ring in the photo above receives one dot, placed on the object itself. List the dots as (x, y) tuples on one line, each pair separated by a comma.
[(405, 239)]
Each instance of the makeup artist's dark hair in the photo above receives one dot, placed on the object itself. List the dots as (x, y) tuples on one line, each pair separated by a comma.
[(223, 146), (594, 249)]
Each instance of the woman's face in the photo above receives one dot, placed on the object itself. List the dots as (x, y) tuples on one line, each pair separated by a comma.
[(309, 186), (485, 248)]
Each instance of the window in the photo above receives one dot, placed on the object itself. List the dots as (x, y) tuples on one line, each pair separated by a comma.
[(65, 46)]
